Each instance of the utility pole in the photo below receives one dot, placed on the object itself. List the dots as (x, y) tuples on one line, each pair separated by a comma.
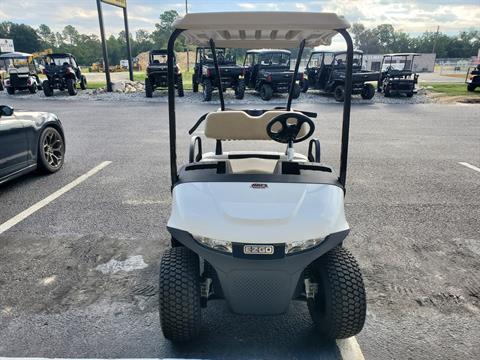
[(435, 40), (104, 47), (129, 50)]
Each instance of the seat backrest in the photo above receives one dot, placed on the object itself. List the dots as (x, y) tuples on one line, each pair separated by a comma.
[(238, 125)]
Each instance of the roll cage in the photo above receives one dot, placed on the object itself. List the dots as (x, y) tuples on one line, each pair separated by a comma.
[(260, 30)]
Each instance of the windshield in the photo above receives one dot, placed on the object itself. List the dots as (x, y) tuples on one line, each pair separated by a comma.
[(58, 61), (275, 59), (21, 64), (396, 63), (223, 55), (159, 58), (341, 60), (315, 60)]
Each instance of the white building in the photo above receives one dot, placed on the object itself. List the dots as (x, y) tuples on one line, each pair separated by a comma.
[(422, 63)]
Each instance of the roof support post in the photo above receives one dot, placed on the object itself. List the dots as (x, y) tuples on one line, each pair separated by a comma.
[(217, 72), (171, 104), (295, 73), (346, 108)]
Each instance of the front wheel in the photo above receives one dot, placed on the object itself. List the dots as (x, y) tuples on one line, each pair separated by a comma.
[(304, 85), (207, 90), (83, 82), (471, 87), (240, 90), (32, 88), (71, 87), (296, 91), (179, 294), (10, 90), (339, 307), (368, 91), (339, 93), (266, 92), (194, 84), (180, 86), (47, 90), (387, 92), (148, 88), (51, 151)]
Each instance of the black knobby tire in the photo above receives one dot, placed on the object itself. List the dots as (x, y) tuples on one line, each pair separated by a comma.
[(409, 94), (368, 91), (194, 84), (83, 82), (266, 92), (148, 88), (339, 308), (471, 87), (304, 85), (51, 151), (179, 294), (240, 90), (10, 90), (180, 86), (207, 90), (47, 90), (296, 91), (71, 87), (33, 88), (339, 93), (386, 91)]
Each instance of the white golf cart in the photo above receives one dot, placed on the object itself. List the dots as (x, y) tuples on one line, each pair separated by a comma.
[(21, 72), (259, 229)]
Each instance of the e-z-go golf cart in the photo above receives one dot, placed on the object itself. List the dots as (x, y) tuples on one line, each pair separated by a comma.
[(259, 229)]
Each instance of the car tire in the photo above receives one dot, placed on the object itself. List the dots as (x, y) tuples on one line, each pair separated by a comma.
[(339, 307), (207, 90), (194, 84), (180, 86), (387, 91), (33, 88), (179, 294), (368, 91), (71, 87), (10, 90), (296, 91), (148, 88), (304, 85), (240, 90), (471, 87), (83, 83), (266, 92), (47, 90), (339, 93), (51, 151)]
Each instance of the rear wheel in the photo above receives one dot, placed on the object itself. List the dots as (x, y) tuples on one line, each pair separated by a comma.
[(71, 87), (47, 90), (368, 92), (180, 86), (339, 308), (240, 90), (387, 92), (83, 82), (194, 84), (266, 92), (339, 93), (51, 151), (304, 85), (471, 87), (32, 88), (148, 88), (296, 91), (207, 90), (179, 294), (410, 94), (10, 90)]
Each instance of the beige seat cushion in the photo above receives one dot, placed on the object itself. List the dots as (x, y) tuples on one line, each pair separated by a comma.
[(253, 166), (238, 125), (211, 156)]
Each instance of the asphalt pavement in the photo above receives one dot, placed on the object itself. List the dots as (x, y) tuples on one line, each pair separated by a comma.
[(78, 278)]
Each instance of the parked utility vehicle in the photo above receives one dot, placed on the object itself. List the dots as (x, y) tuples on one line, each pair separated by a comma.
[(204, 73), (157, 73), (255, 228), (21, 72), (63, 73), (397, 75), (473, 78), (268, 72), (326, 70)]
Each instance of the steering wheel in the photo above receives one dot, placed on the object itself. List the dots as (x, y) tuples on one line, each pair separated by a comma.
[(289, 129)]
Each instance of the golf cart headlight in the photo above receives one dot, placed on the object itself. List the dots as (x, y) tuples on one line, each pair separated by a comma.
[(220, 245), (297, 246)]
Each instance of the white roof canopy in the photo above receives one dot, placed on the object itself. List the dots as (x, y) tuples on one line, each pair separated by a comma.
[(261, 29)]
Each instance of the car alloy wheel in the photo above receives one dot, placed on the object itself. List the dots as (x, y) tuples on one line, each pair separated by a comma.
[(53, 148)]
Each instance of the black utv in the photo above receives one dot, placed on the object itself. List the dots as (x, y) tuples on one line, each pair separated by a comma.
[(397, 75), (325, 71), (204, 73), (268, 72), (473, 78), (63, 73), (157, 73)]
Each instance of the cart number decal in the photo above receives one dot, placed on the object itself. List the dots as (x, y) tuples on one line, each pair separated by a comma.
[(258, 249)]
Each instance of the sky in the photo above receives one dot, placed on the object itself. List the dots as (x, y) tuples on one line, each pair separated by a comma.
[(412, 16)]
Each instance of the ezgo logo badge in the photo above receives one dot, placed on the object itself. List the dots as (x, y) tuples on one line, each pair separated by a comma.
[(258, 249), (259, 186)]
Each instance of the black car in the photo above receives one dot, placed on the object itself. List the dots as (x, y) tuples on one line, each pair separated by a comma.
[(473, 78), (28, 141), (21, 72), (204, 73), (397, 75), (268, 72), (157, 73), (325, 71), (63, 73)]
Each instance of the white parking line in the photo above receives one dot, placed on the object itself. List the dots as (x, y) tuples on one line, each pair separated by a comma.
[(470, 166), (349, 349), (37, 206)]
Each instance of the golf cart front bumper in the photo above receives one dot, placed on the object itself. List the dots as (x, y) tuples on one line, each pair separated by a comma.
[(259, 284)]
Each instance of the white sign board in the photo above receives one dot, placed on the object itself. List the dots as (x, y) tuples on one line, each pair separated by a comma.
[(6, 45)]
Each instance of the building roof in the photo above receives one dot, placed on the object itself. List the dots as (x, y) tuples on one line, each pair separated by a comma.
[(261, 29), (15, 54)]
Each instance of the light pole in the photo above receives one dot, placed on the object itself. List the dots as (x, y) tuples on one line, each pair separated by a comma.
[(186, 46)]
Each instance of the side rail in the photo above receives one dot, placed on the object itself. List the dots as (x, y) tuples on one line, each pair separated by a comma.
[(314, 150), (195, 143)]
